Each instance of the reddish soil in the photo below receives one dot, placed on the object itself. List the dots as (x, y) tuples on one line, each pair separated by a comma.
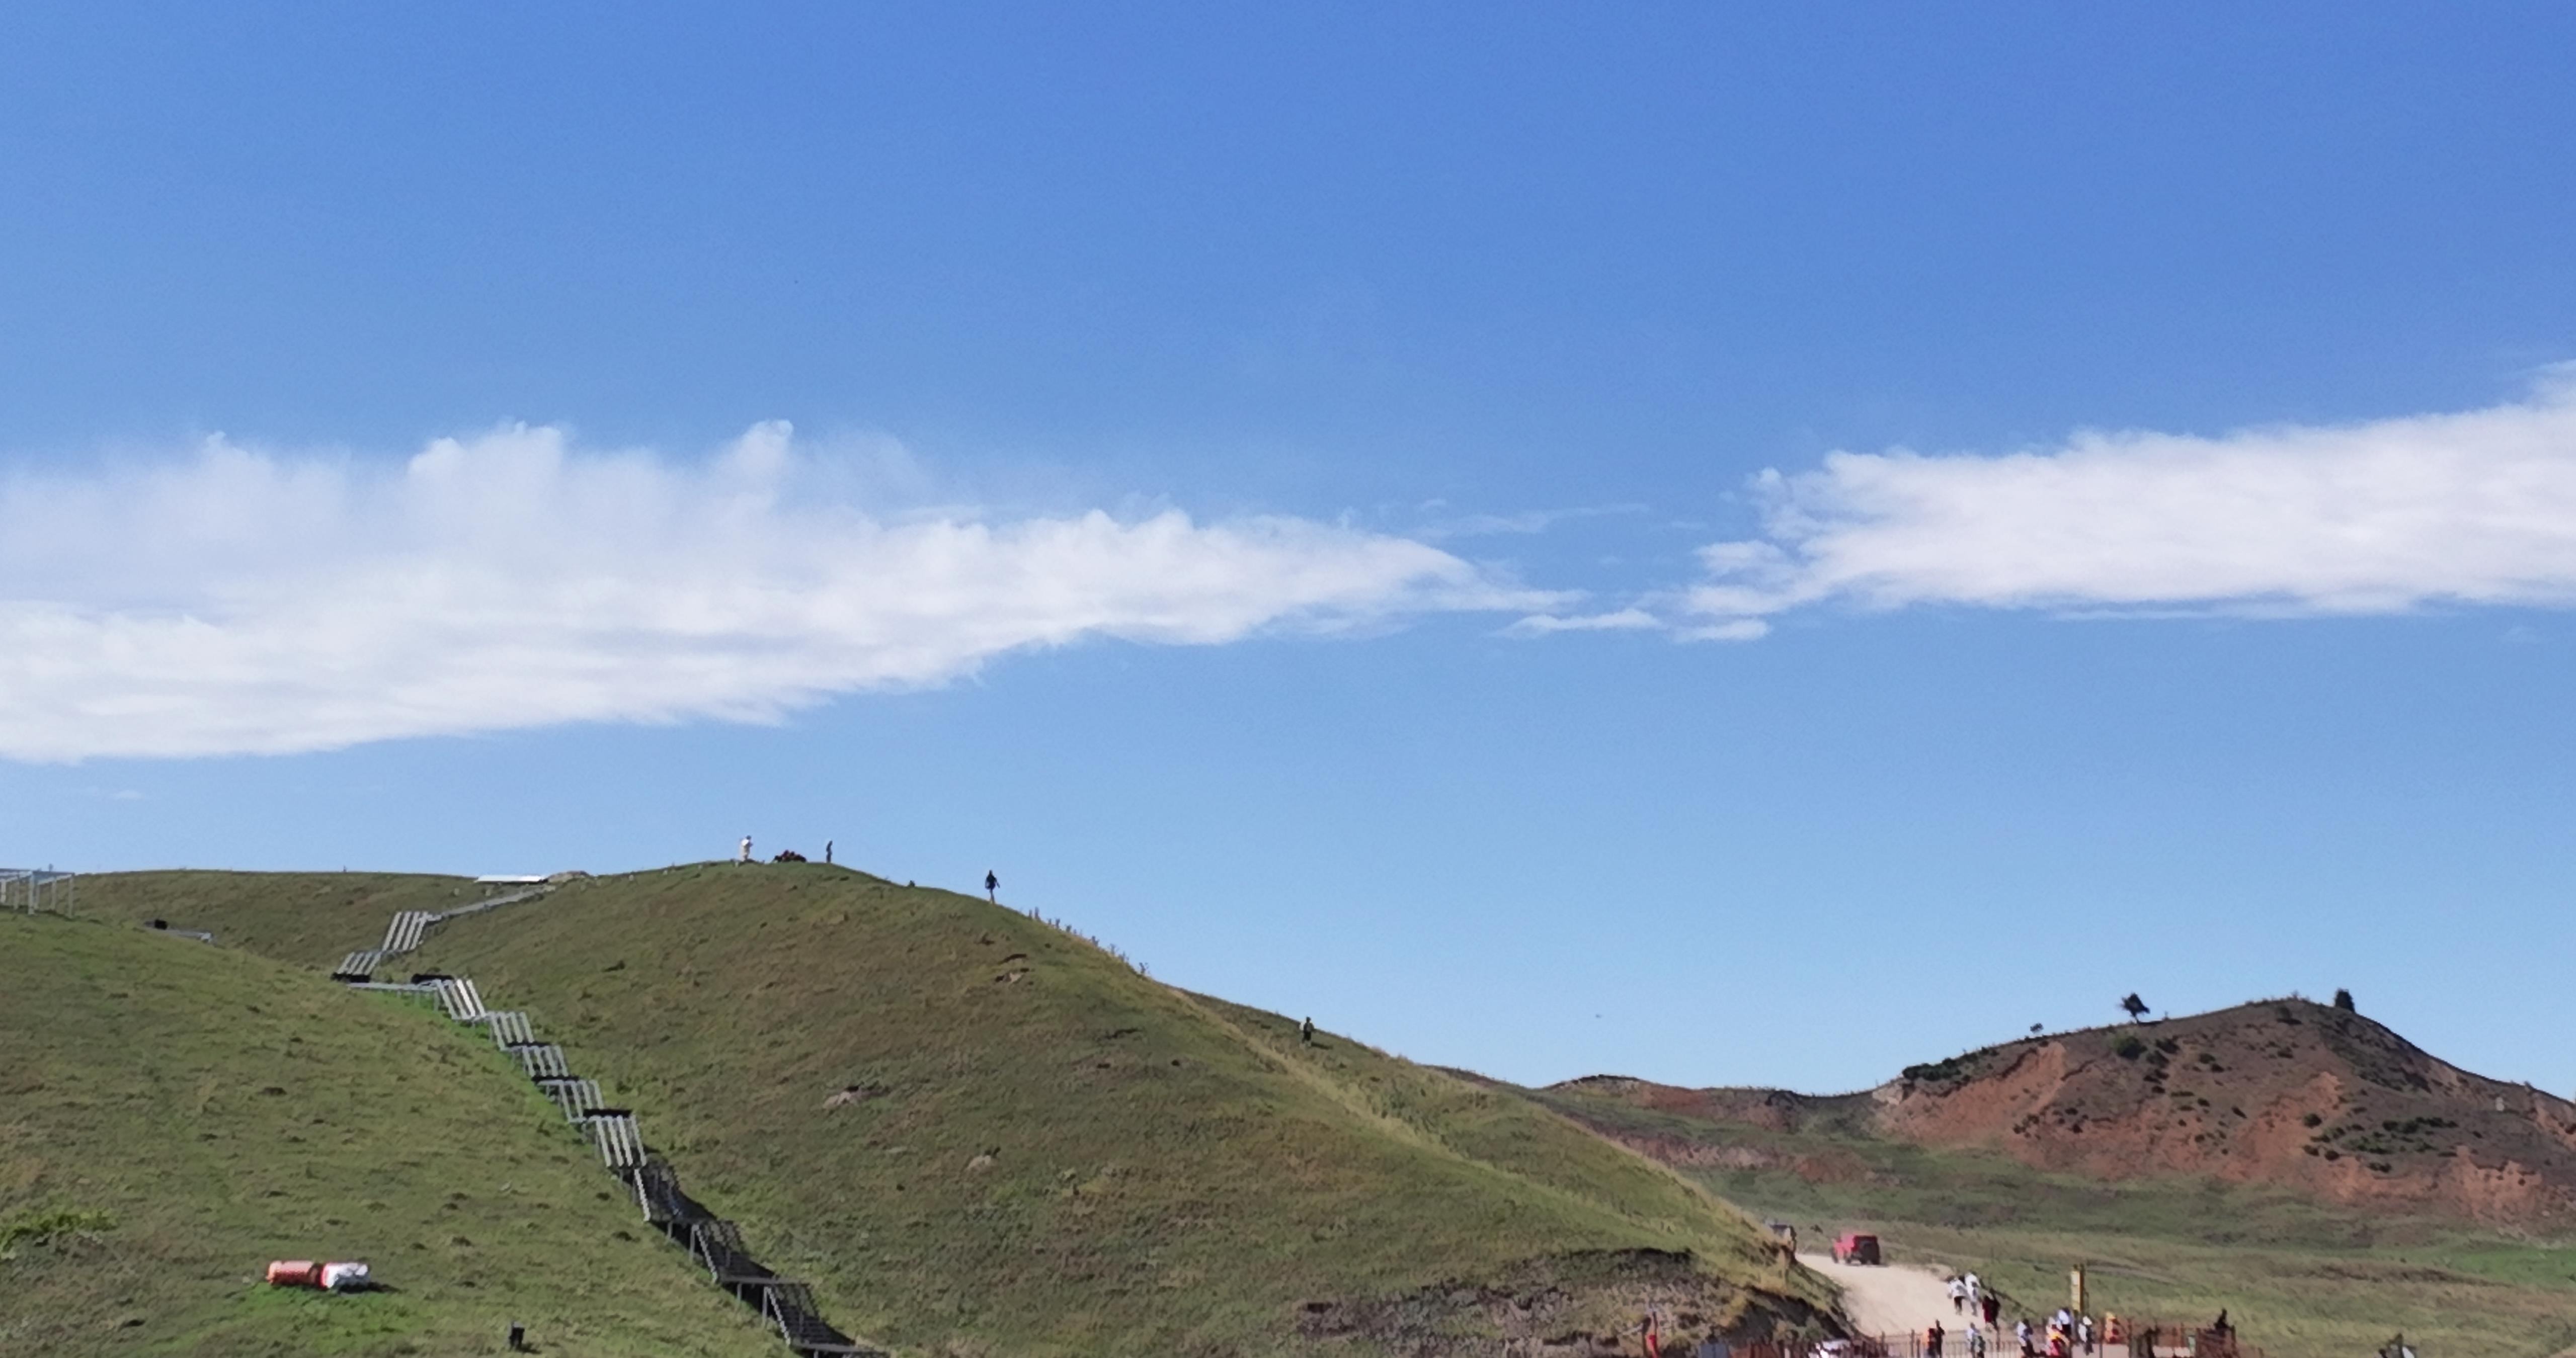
[(2280, 1092)]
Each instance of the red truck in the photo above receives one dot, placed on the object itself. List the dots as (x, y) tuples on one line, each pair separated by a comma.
[(1851, 1247)]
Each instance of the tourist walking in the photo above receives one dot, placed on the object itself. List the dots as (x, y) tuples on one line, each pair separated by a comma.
[(1958, 1295), (1932, 1341), (746, 850)]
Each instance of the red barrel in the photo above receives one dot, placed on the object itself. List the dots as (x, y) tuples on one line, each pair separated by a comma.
[(294, 1273)]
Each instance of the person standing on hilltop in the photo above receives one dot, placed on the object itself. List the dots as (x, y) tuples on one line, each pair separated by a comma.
[(992, 888), (827, 851), (746, 850)]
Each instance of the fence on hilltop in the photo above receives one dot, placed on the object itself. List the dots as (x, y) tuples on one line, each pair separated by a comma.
[(28, 890)]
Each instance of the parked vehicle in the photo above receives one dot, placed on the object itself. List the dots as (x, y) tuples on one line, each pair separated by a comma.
[(1851, 1247)]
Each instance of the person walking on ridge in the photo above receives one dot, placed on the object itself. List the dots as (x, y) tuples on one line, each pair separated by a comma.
[(827, 851), (992, 888), (746, 850)]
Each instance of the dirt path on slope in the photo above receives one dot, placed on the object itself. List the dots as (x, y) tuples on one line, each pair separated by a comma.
[(1890, 1298)]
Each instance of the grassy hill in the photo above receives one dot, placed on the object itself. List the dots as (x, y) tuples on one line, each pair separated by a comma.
[(976, 1133), (311, 919), (2303, 1272), (173, 1116)]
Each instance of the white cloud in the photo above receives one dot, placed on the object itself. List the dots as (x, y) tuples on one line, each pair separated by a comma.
[(1622, 620), (2470, 508), (233, 601)]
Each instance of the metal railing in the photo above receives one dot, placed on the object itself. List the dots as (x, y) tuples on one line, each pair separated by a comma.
[(28, 890), (716, 1245)]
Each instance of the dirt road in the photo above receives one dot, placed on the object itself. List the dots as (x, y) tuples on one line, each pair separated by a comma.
[(1889, 1298)]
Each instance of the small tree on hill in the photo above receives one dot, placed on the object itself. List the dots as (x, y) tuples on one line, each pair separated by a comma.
[(2137, 1008), (2343, 1001)]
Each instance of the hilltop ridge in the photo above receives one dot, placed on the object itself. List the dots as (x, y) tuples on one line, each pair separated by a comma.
[(2281, 1092)]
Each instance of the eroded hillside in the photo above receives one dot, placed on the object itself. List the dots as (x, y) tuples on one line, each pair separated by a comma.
[(2284, 1093)]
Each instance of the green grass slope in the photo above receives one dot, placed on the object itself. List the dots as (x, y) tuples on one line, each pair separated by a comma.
[(309, 918), (2301, 1277), (975, 1133), (173, 1116)]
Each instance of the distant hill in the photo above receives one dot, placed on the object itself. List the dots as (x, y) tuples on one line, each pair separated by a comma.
[(174, 1116), (2281, 1093), (977, 1133)]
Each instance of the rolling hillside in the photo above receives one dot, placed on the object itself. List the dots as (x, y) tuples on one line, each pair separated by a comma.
[(173, 1116), (977, 1133)]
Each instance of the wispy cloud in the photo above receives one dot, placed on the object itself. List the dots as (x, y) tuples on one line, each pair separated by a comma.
[(2384, 516), (234, 601), (1620, 620), (1524, 522)]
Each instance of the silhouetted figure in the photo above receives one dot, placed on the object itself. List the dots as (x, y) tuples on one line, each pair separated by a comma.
[(1932, 1341), (1306, 1031), (827, 851), (992, 888), (518, 1337)]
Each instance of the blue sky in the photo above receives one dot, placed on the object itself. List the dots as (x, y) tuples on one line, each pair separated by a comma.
[(1722, 545)]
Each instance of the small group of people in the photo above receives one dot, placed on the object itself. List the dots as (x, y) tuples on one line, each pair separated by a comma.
[(743, 853), (1969, 1297), (2066, 1335)]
